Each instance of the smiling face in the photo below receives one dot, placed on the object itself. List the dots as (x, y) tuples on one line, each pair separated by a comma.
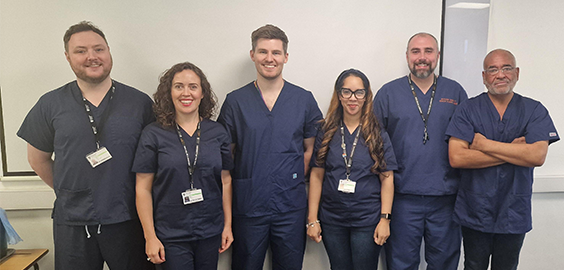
[(422, 55), (89, 57), (352, 106), (502, 82), (186, 92), (269, 58)]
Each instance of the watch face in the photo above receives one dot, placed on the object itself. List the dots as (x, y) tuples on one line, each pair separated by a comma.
[(386, 216)]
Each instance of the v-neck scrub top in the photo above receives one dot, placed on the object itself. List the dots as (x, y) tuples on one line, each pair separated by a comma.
[(497, 199), (59, 123), (268, 177), (361, 208), (160, 152), (423, 169)]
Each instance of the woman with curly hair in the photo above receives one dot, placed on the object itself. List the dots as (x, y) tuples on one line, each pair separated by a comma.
[(183, 181), (351, 181)]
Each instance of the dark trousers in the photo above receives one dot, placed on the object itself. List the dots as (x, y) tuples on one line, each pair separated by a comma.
[(351, 248), (417, 217), (120, 245), (193, 255), (504, 250), (285, 233)]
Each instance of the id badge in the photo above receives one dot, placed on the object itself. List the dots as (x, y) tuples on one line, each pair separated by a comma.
[(347, 186), (192, 196), (98, 157)]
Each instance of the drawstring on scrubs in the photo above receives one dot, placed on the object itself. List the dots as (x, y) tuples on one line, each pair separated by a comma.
[(87, 233), (99, 231)]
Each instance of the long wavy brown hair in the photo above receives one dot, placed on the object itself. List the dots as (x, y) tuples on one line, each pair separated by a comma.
[(164, 108), (370, 127)]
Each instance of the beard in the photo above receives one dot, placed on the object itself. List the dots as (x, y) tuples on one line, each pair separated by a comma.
[(81, 73), (499, 91), (93, 80), (422, 74)]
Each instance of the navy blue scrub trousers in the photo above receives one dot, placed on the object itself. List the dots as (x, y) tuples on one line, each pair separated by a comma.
[(284, 232), (120, 245)]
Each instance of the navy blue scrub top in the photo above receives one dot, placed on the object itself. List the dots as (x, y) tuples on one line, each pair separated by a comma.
[(423, 169), (269, 156), (160, 152), (361, 208), (59, 123), (498, 199)]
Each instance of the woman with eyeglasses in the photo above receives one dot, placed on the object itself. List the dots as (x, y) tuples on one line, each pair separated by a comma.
[(183, 181), (351, 181)]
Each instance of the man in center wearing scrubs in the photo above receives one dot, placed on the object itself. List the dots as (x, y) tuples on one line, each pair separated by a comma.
[(415, 110), (272, 128)]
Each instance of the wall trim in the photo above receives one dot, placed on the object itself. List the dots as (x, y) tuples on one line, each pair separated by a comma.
[(30, 193)]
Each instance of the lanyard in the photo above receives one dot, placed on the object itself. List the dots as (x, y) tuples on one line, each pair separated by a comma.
[(348, 162), (423, 117), (98, 129), (191, 167)]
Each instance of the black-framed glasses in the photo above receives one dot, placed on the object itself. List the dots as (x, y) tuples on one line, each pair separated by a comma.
[(348, 93), (504, 70)]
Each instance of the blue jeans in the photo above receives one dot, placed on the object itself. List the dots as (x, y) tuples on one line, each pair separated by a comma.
[(479, 246), (351, 248)]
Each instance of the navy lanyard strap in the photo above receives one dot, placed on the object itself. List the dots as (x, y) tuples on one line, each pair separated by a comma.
[(97, 129), (191, 167), (425, 118), (348, 162)]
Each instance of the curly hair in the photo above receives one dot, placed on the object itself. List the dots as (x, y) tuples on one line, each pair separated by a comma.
[(370, 127), (164, 107)]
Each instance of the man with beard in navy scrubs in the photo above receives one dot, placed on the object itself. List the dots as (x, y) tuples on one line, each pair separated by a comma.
[(92, 125), (272, 128), (497, 138), (415, 110)]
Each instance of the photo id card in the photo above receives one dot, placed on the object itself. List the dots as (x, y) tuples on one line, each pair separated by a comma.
[(192, 196), (346, 186), (98, 157)]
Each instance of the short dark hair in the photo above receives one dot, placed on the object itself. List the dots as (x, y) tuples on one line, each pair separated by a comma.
[(269, 31), (82, 26), (164, 107)]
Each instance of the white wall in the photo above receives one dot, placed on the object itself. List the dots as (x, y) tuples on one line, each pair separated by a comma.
[(147, 37), (529, 29)]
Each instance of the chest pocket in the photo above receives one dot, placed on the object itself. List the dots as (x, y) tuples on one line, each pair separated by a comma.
[(122, 130)]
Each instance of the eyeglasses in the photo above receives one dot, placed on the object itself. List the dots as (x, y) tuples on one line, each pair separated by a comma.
[(348, 93), (494, 71)]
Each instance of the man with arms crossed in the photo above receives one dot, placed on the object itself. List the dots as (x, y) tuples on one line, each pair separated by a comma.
[(497, 138), (272, 125), (92, 125), (415, 110)]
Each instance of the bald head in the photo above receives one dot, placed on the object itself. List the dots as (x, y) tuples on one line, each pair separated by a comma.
[(499, 52), (423, 34)]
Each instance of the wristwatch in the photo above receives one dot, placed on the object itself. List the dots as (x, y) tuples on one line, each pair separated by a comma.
[(387, 216)]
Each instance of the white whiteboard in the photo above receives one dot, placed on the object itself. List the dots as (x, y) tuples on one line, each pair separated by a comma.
[(147, 37), (532, 31)]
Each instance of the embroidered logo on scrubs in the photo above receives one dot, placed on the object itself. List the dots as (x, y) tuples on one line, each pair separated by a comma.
[(448, 100), (295, 175), (552, 134)]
